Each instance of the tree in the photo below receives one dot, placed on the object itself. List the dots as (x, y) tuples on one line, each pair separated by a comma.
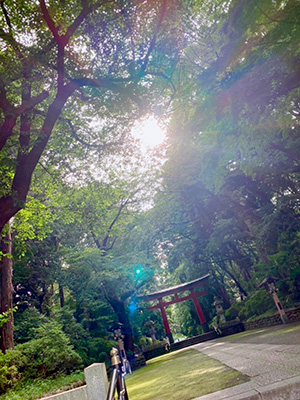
[(229, 192), (106, 48), (6, 300), (82, 255), (81, 67), (232, 173)]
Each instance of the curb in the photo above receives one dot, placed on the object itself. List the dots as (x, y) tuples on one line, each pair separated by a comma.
[(288, 389)]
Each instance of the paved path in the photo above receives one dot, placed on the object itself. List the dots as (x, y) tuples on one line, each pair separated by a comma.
[(270, 356)]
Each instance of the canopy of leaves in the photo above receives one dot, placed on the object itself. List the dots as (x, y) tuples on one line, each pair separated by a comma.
[(229, 204), (228, 200)]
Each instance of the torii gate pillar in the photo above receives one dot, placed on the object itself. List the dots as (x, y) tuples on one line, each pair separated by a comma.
[(165, 321), (199, 311)]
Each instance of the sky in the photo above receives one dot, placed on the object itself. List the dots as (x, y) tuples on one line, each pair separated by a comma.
[(149, 133)]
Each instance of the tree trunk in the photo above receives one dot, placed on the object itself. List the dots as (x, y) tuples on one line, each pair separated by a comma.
[(61, 296), (15, 200), (238, 284), (253, 223), (6, 292), (120, 309), (46, 305), (221, 290)]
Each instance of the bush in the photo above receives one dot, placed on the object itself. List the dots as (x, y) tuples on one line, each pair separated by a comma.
[(50, 352), (90, 349), (10, 364), (98, 349), (144, 341), (233, 312), (255, 305), (46, 355), (7, 377), (26, 323), (76, 333), (289, 288)]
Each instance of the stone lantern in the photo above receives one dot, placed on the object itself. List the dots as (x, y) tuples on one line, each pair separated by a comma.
[(219, 308), (269, 283), (151, 329)]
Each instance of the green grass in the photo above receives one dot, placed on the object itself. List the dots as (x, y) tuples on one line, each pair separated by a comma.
[(268, 313), (181, 375), (268, 331), (33, 389)]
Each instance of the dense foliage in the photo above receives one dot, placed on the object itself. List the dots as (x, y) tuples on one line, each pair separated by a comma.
[(49, 353), (229, 204), (88, 234)]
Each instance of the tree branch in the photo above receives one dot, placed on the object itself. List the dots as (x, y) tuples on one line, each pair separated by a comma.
[(153, 40), (27, 105), (266, 15), (28, 161), (106, 83), (6, 129), (163, 76), (75, 135), (32, 102), (49, 21), (25, 123), (7, 19), (4, 103), (105, 240), (12, 113), (78, 20), (96, 240)]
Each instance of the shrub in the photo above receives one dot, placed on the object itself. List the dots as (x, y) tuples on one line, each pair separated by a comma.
[(76, 333), (233, 312), (257, 304), (46, 355), (10, 364), (144, 341), (98, 349), (26, 323), (289, 288), (50, 352), (7, 377)]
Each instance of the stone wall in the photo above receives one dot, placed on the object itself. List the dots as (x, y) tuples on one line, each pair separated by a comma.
[(139, 362), (73, 394), (194, 340), (293, 315), (95, 389), (231, 327), (155, 350)]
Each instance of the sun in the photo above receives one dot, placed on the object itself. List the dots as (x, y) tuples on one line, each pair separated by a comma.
[(149, 133)]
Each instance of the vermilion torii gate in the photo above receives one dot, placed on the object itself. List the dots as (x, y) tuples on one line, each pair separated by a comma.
[(189, 286)]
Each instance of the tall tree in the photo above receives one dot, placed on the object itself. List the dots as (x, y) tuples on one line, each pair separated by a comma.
[(6, 294), (97, 55), (85, 67), (232, 172)]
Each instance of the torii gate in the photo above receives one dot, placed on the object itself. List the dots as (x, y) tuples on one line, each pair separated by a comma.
[(189, 286)]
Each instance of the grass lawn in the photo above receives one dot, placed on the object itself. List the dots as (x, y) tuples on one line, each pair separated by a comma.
[(33, 389), (268, 334), (181, 375)]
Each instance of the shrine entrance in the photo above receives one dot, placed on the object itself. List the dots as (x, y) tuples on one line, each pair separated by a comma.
[(161, 304)]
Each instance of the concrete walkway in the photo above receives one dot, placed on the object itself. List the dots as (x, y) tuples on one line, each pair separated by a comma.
[(269, 356)]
